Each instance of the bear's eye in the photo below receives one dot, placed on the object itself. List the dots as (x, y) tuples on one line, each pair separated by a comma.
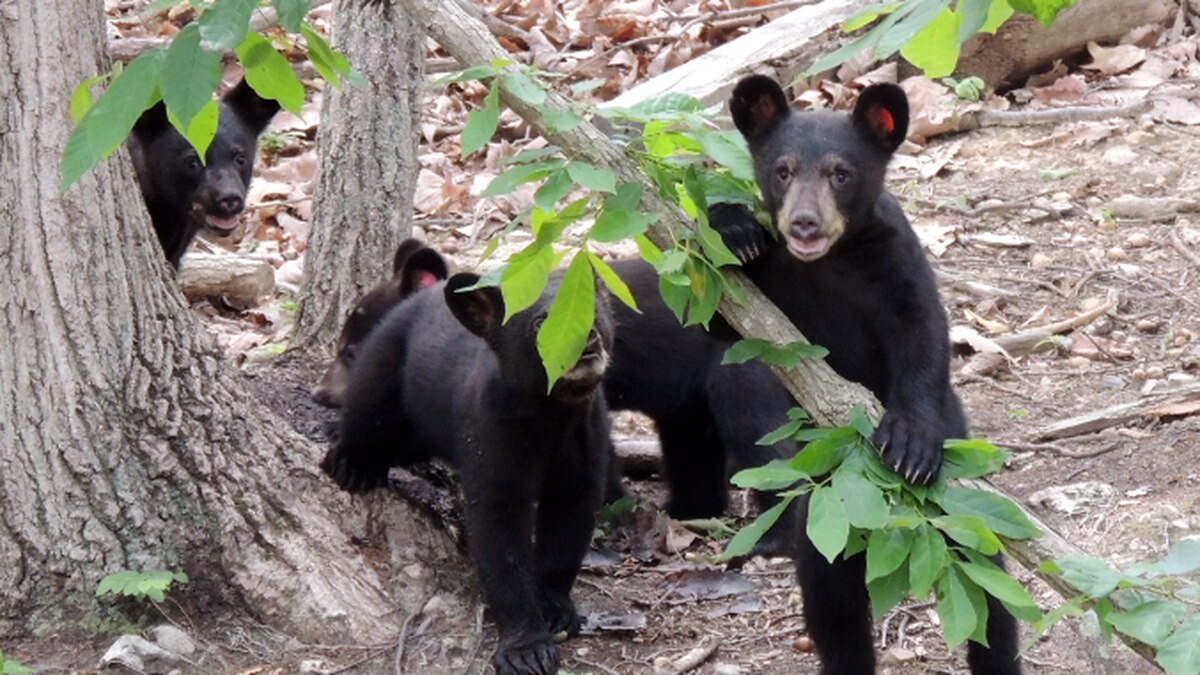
[(840, 176), (239, 159), (537, 323), (782, 172), (193, 163)]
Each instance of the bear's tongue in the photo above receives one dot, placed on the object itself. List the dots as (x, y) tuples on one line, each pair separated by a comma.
[(222, 223)]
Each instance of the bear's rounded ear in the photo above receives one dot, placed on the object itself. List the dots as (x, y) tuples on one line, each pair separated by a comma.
[(882, 112), (152, 122), (403, 251), (424, 268), (758, 105), (478, 309), (254, 110)]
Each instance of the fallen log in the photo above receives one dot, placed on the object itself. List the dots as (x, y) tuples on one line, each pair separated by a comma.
[(239, 281), (1174, 403)]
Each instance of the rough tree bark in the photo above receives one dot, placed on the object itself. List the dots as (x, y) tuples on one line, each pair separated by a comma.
[(368, 145), (126, 441)]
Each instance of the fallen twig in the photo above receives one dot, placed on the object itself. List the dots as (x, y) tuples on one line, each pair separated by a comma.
[(1023, 342), (693, 658), (1183, 249), (1152, 406), (1019, 118)]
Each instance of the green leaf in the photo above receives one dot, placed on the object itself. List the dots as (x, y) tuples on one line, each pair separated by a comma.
[(81, 98), (744, 350), (292, 13), (224, 25), (926, 560), (516, 176), (523, 87), (788, 430), (970, 458), (728, 149), (203, 128), (110, 119), (743, 542), (470, 74), (564, 334), (674, 295), (585, 86), (617, 225), (887, 591), (1000, 585), (269, 73), (973, 15), (955, 608), (935, 48), (592, 177), (999, 513), (190, 74), (827, 525), (558, 121), (970, 531), (1179, 654), (1044, 11), (554, 190), (786, 356), (867, 15), (905, 30), (525, 278), (886, 550), (822, 455), (482, 123), (1151, 622), (1183, 558), (615, 284), (1092, 577), (771, 477), (865, 506), (531, 155), (998, 13), (863, 42), (627, 197), (714, 247), (328, 63), (861, 423)]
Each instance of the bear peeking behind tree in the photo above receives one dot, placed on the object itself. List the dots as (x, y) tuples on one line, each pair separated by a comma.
[(443, 376), (849, 272), (184, 194)]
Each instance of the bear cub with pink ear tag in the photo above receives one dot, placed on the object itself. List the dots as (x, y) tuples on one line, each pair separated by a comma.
[(846, 267)]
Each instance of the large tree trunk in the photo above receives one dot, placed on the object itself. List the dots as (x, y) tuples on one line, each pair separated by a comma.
[(126, 441), (368, 146)]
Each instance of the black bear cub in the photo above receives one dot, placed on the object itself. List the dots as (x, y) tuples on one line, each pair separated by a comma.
[(848, 270), (184, 194), (442, 376), (414, 267)]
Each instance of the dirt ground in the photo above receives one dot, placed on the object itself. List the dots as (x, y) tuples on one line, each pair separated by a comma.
[(1026, 226), (1028, 239)]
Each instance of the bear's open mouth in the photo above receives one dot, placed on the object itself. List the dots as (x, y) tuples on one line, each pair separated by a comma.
[(220, 223), (589, 366), (809, 246)]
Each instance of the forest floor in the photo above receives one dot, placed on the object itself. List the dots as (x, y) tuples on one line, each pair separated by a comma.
[(1026, 226)]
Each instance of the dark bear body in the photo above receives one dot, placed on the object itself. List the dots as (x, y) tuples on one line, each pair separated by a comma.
[(426, 269), (848, 270), (709, 417), (443, 377), (184, 194)]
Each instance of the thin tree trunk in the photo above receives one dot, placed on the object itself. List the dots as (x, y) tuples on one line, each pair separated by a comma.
[(368, 152), (126, 441)]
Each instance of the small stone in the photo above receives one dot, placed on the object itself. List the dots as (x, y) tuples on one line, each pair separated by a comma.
[(1148, 325), (1040, 261), (803, 644), (1138, 137), (726, 669), (1155, 372), (172, 639), (1115, 382), (1079, 362), (417, 571), (313, 666), (1090, 303), (1120, 155), (1181, 378), (449, 247), (1073, 499), (1138, 240), (897, 655), (1116, 254)]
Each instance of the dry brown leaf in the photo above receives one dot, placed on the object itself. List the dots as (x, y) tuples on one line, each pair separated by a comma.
[(936, 235), (1179, 409), (1177, 109), (994, 327), (931, 108), (1064, 90), (1114, 60)]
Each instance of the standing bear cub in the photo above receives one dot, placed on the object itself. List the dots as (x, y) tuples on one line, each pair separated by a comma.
[(184, 194), (848, 270), (443, 376)]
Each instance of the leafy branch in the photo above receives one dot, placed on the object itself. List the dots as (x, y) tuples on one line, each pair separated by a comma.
[(184, 75)]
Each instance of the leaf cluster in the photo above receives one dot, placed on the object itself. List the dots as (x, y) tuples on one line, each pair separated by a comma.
[(1154, 603), (184, 75), (916, 539), (12, 667), (145, 585), (691, 163), (928, 33)]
